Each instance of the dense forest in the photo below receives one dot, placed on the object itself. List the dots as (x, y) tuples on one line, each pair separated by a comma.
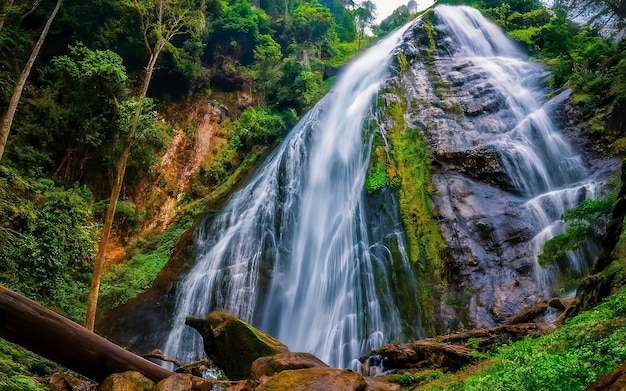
[(117, 83)]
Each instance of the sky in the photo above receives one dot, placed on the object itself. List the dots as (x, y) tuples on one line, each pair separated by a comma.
[(384, 8)]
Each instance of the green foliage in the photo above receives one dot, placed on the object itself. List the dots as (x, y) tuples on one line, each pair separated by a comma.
[(399, 17), (47, 255), (311, 22), (126, 220), (472, 343), (569, 358), (63, 127), (151, 138), (586, 221), (404, 379), (237, 32)]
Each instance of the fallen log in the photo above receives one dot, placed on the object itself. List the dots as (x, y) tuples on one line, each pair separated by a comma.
[(42, 331)]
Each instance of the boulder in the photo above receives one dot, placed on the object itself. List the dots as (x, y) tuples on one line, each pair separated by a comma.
[(234, 344), (63, 382), (199, 368), (528, 314), (612, 381), (186, 382), (127, 381), (560, 304), (315, 379), (269, 366)]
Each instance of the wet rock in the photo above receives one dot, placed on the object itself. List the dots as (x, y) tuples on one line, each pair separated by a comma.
[(315, 379), (528, 315), (612, 381), (480, 163), (63, 382), (234, 344), (560, 304), (187, 382), (425, 354), (197, 368), (450, 352), (269, 366), (127, 381)]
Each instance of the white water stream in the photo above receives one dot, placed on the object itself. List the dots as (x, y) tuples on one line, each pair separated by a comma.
[(293, 252)]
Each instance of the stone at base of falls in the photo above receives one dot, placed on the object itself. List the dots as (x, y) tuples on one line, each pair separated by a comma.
[(127, 381), (560, 304), (528, 315), (425, 354), (186, 382), (197, 368), (234, 344), (315, 379), (451, 352), (612, 381), (269, 366), (63, 382)]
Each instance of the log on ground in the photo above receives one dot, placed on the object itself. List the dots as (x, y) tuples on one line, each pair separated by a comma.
[(42, 331)]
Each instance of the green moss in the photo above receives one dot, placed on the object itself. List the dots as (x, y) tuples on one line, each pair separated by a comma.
[(409, 169), (16, 362), (403, 63), (377, 178), (123, 282), (251, 344)]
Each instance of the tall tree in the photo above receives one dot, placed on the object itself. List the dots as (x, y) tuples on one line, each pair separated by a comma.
[(7, 121), (161, 21), (365, 15)]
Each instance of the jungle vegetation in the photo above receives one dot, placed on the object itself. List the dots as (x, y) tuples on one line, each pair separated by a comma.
[(263, 63)]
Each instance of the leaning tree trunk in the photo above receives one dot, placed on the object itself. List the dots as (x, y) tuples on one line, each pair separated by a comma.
[(98, 266), (50, 335), (17, 93)]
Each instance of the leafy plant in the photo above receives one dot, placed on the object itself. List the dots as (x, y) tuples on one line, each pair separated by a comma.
[(585, 223)]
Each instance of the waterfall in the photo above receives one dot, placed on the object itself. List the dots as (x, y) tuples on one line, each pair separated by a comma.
[(502, 94), (291, 252), (303, 254)]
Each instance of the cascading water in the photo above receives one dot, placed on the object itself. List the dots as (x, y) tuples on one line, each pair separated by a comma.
[(502, 97), (292, 252), (300, 253)]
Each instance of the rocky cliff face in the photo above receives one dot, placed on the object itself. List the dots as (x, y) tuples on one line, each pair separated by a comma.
[(480, 202)]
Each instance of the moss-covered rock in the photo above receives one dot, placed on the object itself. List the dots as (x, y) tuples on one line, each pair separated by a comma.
[(127, 381), (315, 379), (234, 344)]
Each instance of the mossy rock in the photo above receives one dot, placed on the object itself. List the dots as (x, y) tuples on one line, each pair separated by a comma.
[(315, 379), (234, 344)]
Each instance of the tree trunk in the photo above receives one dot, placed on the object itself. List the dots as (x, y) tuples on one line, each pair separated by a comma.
[(5, 7), (17, 93), (48, 334), (92, 300)]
